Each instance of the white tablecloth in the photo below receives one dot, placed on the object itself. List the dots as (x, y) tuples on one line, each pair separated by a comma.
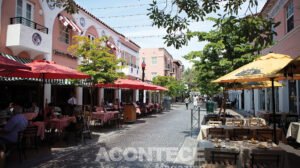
[(294, 131)]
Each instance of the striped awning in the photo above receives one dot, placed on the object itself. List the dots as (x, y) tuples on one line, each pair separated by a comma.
[(16, 58), (69, 23)]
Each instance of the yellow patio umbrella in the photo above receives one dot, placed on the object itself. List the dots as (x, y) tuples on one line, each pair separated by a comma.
[(265, 68), (252, 86), (292, 70), (261, 69)]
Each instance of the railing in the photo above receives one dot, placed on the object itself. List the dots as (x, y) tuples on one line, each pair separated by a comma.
[(29, 23)]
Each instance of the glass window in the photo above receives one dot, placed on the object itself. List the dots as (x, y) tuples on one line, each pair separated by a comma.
[(154, 60), (19, 8), (290, 16), (64, 34)]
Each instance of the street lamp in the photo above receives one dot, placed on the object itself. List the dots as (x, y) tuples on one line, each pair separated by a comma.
[(143, 78)]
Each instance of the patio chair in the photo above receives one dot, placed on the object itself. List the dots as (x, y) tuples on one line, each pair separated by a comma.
[(278, 120), (30, 136), (239, 133), (116, 120), (264, 134), (265, 160), (216, 133), (18, 146), (224, 157)]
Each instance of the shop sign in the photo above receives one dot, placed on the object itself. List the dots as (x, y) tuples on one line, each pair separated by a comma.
[(36, 39)]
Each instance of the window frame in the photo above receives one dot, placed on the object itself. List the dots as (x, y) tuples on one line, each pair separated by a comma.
[(289, 16), (152, 59), (64, 34)]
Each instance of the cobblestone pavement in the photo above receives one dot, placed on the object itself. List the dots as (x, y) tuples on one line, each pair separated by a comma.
[(135, 145)]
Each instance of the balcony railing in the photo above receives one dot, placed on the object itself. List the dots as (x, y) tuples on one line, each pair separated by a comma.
[(29, 23)]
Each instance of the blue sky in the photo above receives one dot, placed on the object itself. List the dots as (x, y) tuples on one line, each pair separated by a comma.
[(115, 14)]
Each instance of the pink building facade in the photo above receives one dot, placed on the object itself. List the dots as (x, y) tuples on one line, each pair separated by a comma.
[(287, 41), (159, 62), (36, 29)]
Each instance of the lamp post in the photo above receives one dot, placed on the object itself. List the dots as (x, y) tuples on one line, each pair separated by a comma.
[(143, 78)]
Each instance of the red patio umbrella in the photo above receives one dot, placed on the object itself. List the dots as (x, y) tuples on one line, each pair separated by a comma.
[(161, 88), (123, 83), (10, 65), (46, 70)]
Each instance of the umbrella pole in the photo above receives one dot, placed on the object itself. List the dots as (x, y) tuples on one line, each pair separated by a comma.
[(253, 104), (43, 93), (273, 108)]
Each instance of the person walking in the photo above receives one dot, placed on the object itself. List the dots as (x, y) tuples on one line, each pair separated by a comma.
[(195, 101), (187, 101)]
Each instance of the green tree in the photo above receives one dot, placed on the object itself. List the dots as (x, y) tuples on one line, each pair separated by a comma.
[(98, 61), (176, 16), (225, 51), (189, 79), (175, 88)]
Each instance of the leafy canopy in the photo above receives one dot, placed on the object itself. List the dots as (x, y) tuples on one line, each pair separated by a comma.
[(175, 88), (225, 51), (98, 60), (176, 16)]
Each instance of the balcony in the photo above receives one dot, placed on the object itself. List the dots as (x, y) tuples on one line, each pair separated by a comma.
[(26, 35), (131, 71)]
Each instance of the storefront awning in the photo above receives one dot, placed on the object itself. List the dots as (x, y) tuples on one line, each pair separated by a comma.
[(16, 58), (69, 23)]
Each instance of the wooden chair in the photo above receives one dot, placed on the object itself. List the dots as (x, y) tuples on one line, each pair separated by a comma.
[(116, 120), (239, 133), (270, 160), (30, 136), (224, 157), (264, 134), (216, 133)]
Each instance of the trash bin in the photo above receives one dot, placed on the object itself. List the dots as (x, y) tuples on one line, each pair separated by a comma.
[(210, 106), (167, 103)]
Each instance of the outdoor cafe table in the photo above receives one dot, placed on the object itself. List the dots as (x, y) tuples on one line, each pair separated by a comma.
[(243, 148), (203, 134), (294, 131), (104, 116), (61, 123)]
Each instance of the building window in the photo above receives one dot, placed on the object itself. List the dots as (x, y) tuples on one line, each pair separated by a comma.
[(290, 16), (25, 9), (143, 59), (91, 37), (64, 34), (154, 60)]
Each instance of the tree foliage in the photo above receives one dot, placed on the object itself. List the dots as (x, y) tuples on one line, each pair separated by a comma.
[(189, 78), (225, 51), (68, 5), (175, 88), (97, 59), (176, 16)]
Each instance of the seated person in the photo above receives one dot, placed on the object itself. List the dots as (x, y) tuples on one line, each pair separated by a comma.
[(17, 123), (34, 108), (49, 112)]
